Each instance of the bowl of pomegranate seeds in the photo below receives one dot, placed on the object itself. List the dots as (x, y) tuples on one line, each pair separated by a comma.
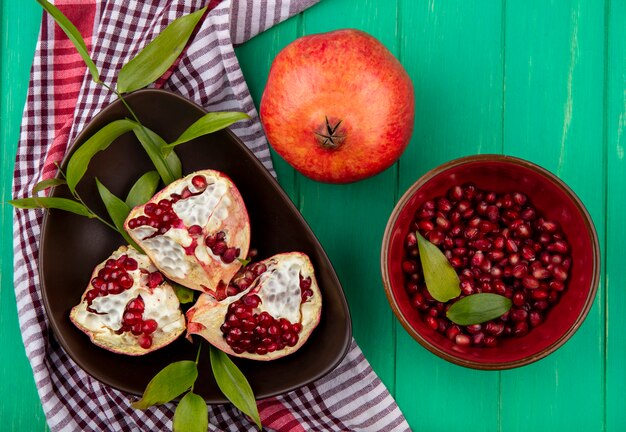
[(507, 227)]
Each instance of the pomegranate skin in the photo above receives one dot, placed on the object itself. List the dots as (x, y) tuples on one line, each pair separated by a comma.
[(348, 78)]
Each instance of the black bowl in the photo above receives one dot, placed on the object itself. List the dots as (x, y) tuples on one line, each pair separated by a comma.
[(71, 246)]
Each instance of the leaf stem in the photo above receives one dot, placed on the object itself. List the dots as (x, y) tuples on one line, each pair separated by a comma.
[(197, 358), (80, 200), (119, 95)]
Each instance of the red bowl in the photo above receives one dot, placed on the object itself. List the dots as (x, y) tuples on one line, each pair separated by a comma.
[(555, 201)]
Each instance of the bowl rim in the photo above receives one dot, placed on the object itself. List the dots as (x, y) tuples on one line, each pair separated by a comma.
[(384, 255)]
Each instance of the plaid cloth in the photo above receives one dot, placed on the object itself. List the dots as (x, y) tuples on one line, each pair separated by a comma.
[(61, 101)]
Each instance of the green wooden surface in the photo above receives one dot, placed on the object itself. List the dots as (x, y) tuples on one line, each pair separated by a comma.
[(543, 80)]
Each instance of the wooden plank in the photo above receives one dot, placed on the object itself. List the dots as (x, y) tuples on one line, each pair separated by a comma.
[(453, 52), (554, 116), (255, 58), (616, 218), (349, 220), (19, 23)]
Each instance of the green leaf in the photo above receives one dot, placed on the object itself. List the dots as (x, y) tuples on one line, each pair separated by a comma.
[(441, 280), (53, 203), (478, 308), (143, 189), (118, 210), (208, 123), (191, 415), (45, 184), (234, 385), (244, 261), (77, 166), (74, 35), (184, 294), (169, 168), (172, 381), (156, 57)]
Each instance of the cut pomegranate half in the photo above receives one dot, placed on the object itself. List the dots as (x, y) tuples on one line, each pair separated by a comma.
[(271, 319), (194, 230), (128, 308)]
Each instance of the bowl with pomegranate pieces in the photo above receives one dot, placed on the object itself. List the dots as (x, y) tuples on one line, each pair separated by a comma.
[(507, 227)]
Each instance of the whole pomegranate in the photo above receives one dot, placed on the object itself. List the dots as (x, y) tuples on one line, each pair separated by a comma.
[(338, 106), (128, 307), (271, 318), (194, 231)]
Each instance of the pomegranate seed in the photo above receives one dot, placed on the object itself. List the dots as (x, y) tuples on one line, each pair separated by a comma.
[(91, 295), (230, 254), (474, 328), (125, 281), (435, 237), (452, 332), (482, 244), (518, 315), (155, 279), (490, 341), (467, 287), (495, 329), (521, 329), (251, 300), (528, 214), (510, 245), (478, 339), (519, 298), (539, 294), (469, 191), (530, 282), (557, 285), (136, 329), (411, 240), (199, 182), (560, 273), (534, 317), (219, 248), (519, 198), (455, 193), (145, 341), (432, 322), (136, 305), (195, 230), (462, 340), (409, 266), (444, 205), (149, 326)]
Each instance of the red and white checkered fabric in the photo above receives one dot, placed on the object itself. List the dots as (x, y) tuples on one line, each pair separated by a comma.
[(61, 101)]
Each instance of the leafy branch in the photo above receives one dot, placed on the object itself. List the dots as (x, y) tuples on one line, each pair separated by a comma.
[(147, 66)]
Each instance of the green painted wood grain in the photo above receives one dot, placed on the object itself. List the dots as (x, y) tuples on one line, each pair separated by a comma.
[(554, 78), (20, 409), (616, 220), (453, 52), (255, 58), (350, 219)]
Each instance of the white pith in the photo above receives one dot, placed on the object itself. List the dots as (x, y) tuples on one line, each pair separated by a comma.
[(167, 250), (185, 258), (197, 209), (281, 295), (104, 319)]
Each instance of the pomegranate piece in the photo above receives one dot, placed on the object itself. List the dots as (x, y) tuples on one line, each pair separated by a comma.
[(496, 243), (122, 312), (194, 230), (271, 318)]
